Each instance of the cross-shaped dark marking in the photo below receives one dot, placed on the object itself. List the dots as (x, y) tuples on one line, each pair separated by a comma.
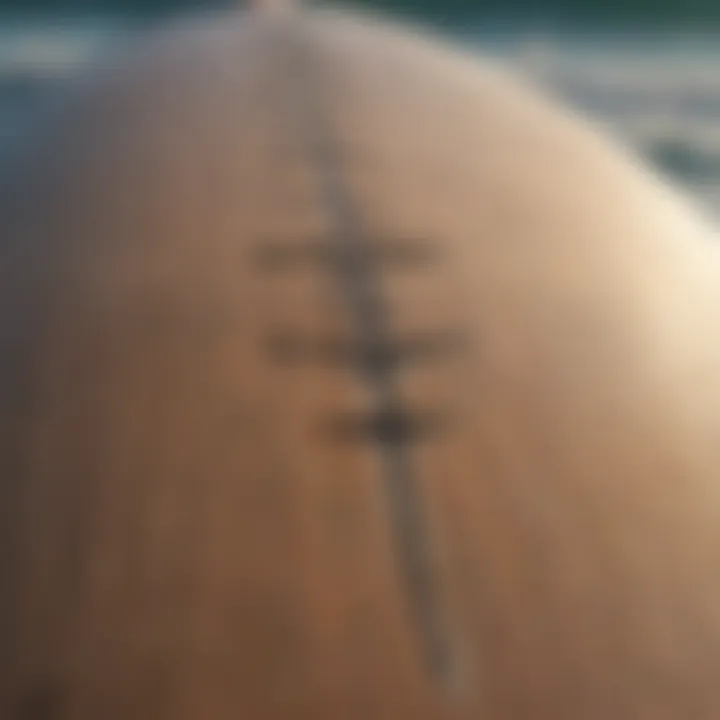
[(371, 356), (393, 253), (388, 426), (355, 257)]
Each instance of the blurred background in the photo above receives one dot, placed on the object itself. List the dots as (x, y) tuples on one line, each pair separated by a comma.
[(647, 69)]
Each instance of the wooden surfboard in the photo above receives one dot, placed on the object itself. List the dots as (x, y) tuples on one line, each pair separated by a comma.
[(345, 378)]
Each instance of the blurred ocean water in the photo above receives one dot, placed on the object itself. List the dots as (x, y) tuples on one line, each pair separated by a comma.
[(659, 93), (37, 59)]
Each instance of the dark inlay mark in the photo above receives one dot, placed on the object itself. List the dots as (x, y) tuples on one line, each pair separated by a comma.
[(43, 701), (391, 425), (370, 355), (379, 253)]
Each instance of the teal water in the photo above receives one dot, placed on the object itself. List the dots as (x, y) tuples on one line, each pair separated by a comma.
[(657, 92)]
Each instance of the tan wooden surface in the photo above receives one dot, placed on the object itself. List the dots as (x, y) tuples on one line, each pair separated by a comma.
[(194, 524)]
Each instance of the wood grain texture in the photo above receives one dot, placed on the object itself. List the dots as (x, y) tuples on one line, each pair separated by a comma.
[(229, 274)]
